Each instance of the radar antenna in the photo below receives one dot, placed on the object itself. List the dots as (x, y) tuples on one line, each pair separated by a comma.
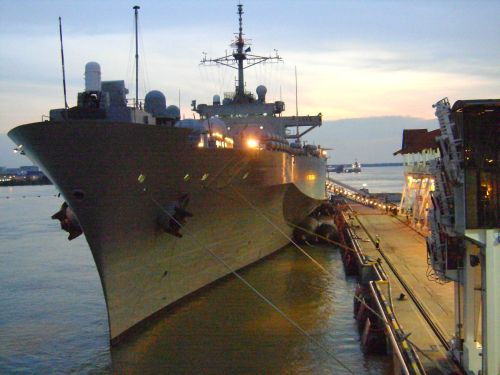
[(235, 60)]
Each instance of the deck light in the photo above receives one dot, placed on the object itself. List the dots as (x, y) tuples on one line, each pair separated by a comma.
[(19, 149), (252, 143)]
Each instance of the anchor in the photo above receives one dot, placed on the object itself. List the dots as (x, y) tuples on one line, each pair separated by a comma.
[(69, 221), (173, 216)]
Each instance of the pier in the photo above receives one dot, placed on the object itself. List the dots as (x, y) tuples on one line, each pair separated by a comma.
[(412, 306), (422, 305), (448, 281)]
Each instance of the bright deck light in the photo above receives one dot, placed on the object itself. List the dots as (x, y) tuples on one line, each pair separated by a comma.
[(252, 143)]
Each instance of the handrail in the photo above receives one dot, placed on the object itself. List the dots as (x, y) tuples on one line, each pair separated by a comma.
[(408, 358)]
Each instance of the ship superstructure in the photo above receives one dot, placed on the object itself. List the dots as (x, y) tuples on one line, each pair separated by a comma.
[(162, 202), (247, 115)]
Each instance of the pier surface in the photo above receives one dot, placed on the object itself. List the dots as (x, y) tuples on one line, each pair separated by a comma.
[(426, 311)]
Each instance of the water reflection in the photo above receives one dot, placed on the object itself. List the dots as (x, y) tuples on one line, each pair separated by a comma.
[(53, 316), (227, 329)]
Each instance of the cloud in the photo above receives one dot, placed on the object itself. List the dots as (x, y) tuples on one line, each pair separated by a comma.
[(353, 59), (364, 82)]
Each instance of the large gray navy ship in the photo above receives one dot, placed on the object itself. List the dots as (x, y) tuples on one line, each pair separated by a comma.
[(166, 205)]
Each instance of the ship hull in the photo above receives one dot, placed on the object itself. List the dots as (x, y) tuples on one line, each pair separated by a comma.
[(122, 180)]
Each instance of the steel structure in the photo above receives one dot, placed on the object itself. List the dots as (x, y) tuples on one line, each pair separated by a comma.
[(464, 244), (419, 150)]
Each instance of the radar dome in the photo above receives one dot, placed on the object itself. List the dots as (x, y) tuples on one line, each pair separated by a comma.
[(261, 93), (155, 103), (173, 112), (216, 100), (92, 76)]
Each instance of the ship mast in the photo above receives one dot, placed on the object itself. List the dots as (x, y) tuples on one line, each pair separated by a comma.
[(239, 55), (136, 8), (235, 60)]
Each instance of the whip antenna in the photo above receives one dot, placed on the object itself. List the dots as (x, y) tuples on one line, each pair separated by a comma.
[(296, 103), (63, 71)]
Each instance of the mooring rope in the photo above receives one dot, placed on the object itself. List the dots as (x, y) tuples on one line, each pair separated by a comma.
[(377, 314), (305, 253), (305, 230), (283, 233), (257, 292)]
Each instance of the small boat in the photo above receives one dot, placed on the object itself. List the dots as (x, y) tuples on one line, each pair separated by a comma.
[(355, 168)]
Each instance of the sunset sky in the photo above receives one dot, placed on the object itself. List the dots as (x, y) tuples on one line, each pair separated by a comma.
[(372, 68)]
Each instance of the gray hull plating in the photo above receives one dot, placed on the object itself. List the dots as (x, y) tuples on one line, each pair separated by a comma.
[(120, 178)]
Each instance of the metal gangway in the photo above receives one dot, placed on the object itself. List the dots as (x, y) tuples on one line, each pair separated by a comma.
[(335, 187)]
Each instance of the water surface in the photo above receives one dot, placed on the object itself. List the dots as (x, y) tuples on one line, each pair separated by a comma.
[(375, 179), (53, 316)]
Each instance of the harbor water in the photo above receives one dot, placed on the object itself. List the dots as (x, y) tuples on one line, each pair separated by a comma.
[(375, 179), (53, 315)]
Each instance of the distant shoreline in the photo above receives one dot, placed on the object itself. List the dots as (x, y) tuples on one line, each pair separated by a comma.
[(43, 181), (369, 165)]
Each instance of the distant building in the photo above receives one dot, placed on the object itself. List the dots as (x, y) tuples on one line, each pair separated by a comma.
[(25, 175)]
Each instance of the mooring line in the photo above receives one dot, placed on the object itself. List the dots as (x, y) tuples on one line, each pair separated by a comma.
[(336, 243), (327, 272), (305, 230), (283, 233), (259, 294), (316, 263)]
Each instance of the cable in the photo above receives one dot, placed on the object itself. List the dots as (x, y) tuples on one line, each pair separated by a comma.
[(284, 234), (305, 230), (259, 294), (324, 269), (316, 263)]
